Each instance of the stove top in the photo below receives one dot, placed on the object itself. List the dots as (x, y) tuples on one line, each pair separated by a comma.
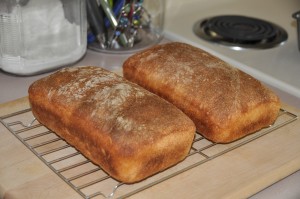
[(277, 66), (239, 31)]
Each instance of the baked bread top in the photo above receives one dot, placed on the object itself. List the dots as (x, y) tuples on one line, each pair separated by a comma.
[(218, 97), (130, 132)]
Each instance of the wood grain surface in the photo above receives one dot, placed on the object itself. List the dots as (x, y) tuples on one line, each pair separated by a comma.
[(236, 174)]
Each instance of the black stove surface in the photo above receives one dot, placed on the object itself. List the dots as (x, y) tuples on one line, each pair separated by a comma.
[(240, 31)]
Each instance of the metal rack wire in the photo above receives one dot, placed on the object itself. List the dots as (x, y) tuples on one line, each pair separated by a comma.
[(89, 180)]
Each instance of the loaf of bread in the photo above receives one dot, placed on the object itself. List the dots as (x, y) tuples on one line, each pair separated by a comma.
[(128, 131), (225, 103)]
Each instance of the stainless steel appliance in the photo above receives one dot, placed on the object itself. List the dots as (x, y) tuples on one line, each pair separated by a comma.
[(296, 15)]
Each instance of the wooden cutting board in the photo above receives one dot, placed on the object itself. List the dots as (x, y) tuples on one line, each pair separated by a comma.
[(236, 174)]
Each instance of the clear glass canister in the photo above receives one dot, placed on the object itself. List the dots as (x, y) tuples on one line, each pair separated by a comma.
[(41, 35), (124, 26)]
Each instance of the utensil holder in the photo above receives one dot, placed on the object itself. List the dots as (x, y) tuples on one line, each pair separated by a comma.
[(123, 26)]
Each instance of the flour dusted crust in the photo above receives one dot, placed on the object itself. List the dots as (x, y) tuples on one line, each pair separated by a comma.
[(128, 131), (225, 103)]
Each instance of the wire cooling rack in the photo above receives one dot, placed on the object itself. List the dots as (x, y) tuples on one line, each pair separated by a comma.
[(89, 180)]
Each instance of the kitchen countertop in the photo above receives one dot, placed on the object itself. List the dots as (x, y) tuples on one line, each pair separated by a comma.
[(13, 87)]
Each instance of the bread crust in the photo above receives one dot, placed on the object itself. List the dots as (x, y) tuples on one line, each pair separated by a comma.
[(225, 103), (130, 132)]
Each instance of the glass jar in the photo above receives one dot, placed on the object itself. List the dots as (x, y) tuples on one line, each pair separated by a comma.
[(41, 35), (125, 26)]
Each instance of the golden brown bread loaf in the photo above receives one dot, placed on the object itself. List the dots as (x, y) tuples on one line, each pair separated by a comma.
[(224, 102), (130, 132)]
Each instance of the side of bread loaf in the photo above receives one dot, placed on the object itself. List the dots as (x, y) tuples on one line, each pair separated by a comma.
[(130, 132), (225, 103)]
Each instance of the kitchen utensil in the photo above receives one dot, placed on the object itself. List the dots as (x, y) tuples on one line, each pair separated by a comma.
[(296, 15), (130, 25)]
